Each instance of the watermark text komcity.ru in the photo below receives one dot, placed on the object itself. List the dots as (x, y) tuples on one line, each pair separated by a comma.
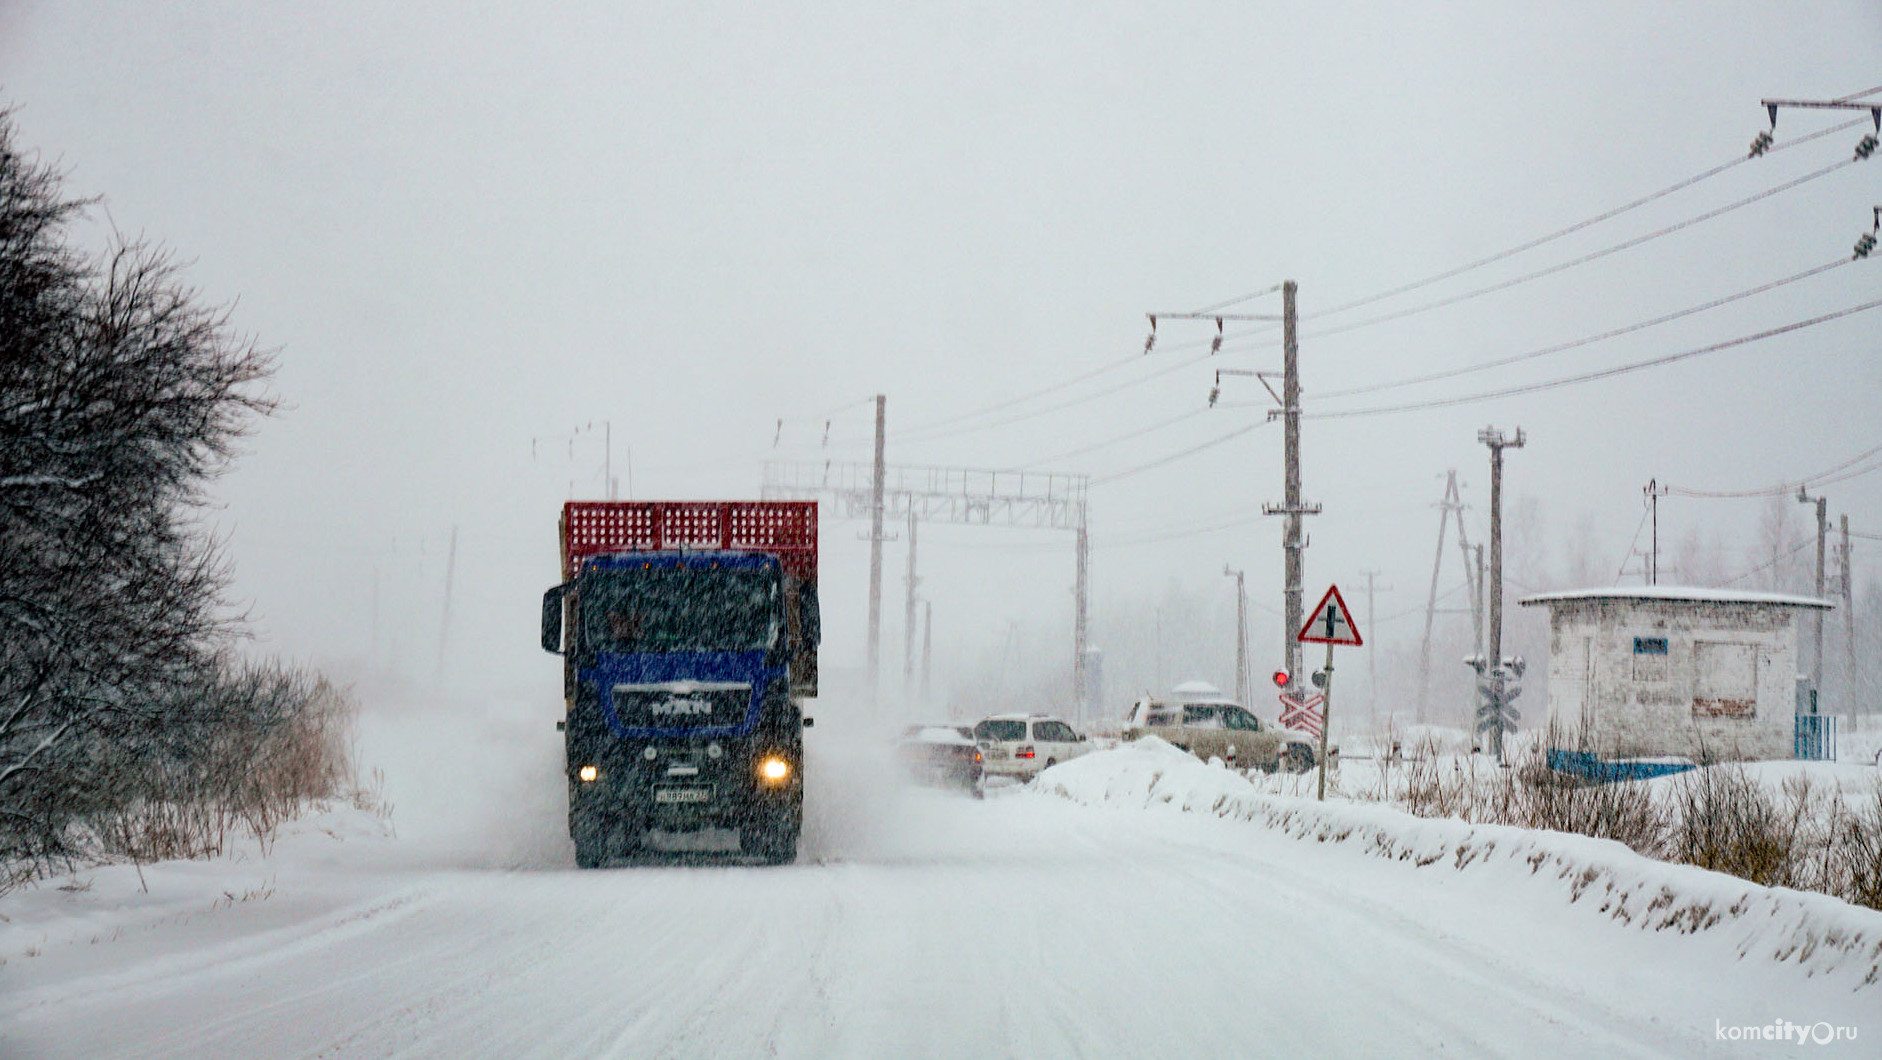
[(1819, 1033)]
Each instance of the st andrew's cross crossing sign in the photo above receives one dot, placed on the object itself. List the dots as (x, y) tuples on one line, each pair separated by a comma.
[(1331, 622)]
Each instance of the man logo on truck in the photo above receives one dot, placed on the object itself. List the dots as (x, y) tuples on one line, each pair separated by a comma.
[(682, 706)]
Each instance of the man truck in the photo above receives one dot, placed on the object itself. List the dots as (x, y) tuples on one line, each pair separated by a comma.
[(688, 632)]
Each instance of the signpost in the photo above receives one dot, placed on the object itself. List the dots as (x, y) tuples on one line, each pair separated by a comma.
[(1330, 623)]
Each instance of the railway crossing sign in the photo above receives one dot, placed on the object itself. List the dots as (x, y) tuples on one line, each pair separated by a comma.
[(1331, 622)]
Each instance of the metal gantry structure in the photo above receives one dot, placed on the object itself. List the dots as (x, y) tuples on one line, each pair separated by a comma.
[(963, 496)]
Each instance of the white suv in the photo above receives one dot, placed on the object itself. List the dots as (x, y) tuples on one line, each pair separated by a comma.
[(1020, 745)]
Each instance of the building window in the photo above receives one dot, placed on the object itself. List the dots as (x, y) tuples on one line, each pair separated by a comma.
[(1650, 659), (1725, 680)]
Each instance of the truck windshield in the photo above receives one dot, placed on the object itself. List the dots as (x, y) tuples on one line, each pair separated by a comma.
[(680, 609)]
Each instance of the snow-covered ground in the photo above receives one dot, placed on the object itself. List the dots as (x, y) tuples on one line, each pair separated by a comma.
[(1131, 903)]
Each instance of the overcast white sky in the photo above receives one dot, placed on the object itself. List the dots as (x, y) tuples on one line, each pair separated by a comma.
[(469, 227)]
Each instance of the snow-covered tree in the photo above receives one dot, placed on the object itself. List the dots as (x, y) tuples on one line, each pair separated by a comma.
[(120, 397)]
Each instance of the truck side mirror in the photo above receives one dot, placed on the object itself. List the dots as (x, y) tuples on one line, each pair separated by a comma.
[(810, 619), (552, 619)]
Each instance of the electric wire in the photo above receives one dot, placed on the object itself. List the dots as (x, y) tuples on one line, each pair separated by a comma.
[(1781, 488), (1774, 561), (1431, 377), (1604, 373), (1627, 244), (1186, 414), (1589, 222), (1173, 457)]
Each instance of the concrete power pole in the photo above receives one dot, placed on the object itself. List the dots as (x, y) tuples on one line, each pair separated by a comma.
[(908, 611), (1497, 442), (1452, 503), (875, 550), (1816, 620), (1241, 636), (1292, 541)]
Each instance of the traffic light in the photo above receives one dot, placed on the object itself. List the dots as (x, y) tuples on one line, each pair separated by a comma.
[(1281, 678)]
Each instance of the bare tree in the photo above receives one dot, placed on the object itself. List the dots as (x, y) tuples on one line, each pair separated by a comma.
[(121, 396)]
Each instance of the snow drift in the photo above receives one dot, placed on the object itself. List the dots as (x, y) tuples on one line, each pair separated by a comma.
[(1819, 934)]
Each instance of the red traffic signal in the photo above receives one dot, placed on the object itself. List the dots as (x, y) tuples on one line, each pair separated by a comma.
[(1280, 678)]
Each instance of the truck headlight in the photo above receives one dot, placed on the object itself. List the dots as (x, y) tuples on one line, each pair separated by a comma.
[(588, 773), (774, 769)]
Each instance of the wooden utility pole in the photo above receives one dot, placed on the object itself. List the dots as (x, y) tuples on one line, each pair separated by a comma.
[(444, 622), (1849, 621), (1372, 665), (1816, 619), (1292, 541), (1241, 636), (927, 647), (1081, 688), (875, 550), (1451, 504), (1497, 442), (908, 611), (1654, 491)]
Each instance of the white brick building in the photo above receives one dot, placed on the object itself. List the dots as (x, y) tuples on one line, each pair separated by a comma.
[(1661, 670)]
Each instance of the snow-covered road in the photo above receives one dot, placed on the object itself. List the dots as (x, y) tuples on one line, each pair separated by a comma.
[(916, 924)]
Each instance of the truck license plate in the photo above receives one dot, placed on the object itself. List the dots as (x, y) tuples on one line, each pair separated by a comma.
[(671, 795)]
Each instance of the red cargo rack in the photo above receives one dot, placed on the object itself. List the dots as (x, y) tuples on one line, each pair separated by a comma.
[(786, 529)]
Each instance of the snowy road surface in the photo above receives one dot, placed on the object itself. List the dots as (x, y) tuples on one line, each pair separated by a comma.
[(916, 924)]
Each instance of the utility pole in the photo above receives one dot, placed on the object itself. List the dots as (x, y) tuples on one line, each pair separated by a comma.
[(1081, 594), (1372, 667), (875, 550), (1849, 621), (1451, 504), (927, 648), (1497, 442), (1292, 541), (1291, 506), (908, 611), (444, 622), (1816, 619), (1241, 636), (1653, 492)]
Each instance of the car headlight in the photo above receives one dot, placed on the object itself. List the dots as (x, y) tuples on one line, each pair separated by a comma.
[(587, 773), (774, 769)]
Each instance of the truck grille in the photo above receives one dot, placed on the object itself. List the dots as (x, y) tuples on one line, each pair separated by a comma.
[(682, 704)]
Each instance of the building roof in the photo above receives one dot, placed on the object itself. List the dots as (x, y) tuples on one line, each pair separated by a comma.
[(1680, 593)]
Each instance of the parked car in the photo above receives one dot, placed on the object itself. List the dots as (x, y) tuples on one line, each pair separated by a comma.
[(1220, 728), (1020, 745), (941, 755)]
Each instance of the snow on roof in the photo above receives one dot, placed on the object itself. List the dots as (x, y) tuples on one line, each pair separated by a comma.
[(1685, 593), (1195, 690)]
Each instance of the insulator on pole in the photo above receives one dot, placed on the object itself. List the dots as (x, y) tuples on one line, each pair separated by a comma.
[(1865, 147), (1152, 340), (1760, 144)]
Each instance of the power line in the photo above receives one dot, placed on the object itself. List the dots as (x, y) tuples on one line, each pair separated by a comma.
[(1173, 457), (1782, 488), (1131, 436), (1589, 222), (1595, 255), (1775, 560), (1588, 340), (1585, 377)]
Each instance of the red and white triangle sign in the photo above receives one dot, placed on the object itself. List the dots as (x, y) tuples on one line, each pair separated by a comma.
[(1331, 622)]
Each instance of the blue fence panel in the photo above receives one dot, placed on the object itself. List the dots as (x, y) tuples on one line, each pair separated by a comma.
[(1815, 738)]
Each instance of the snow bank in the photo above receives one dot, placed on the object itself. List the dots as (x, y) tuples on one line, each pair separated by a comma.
[(1819, 934)]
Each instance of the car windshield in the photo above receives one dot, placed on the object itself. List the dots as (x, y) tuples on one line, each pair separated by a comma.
[(997, 729), (680, 609), (1241, 719)]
